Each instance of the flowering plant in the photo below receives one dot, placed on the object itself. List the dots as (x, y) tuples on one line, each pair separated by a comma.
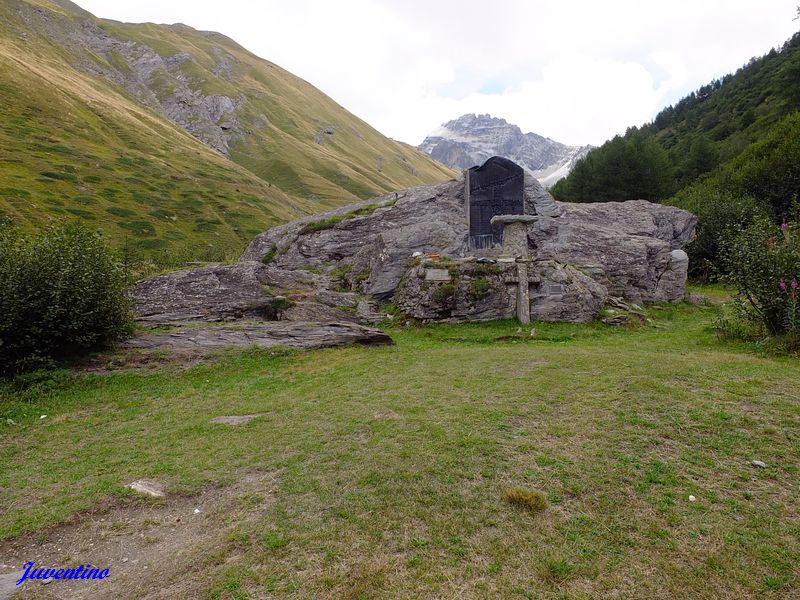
[(764, 266), (792, 313)]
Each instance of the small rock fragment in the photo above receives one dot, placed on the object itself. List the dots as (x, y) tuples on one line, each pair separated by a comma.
[(148, 487), (759, 464), (692, 498)]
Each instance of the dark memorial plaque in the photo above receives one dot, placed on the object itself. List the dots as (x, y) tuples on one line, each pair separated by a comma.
[(495, 188)]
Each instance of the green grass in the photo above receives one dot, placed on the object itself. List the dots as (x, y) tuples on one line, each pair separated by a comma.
[(333, 221), (392, 463)]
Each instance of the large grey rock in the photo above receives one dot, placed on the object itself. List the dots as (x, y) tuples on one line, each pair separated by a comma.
[(625, 246), (562, 293), (209, 293), (337, 265), (246, 290), (634, 248), (373, 239), (537, 200)]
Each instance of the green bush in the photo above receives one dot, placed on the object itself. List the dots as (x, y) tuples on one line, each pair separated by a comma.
[(61, 293), (764, 265), (480, 288), (445, 295), (718, 212)]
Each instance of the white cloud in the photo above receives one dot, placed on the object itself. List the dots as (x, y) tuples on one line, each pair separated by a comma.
[(578, 71)]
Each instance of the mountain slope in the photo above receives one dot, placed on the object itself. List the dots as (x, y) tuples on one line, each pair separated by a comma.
[(129, 128), (704, 131), (471, 139)]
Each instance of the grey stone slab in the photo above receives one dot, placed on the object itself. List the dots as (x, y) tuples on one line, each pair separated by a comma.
[(437, 275), (8, 584), (495, 188), (290, 334)]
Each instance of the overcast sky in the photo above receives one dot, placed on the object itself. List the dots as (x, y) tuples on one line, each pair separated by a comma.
[(577, 71)]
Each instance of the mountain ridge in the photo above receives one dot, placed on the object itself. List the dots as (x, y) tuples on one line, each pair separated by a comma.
[(473, 138), (154, 132)]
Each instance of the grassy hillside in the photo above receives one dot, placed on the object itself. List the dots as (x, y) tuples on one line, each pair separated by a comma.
[(381, 472), (83, 136), (294, 135), (72, 147), (704, 131)]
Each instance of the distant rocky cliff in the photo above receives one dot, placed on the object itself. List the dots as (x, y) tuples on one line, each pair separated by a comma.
[(471, 139)]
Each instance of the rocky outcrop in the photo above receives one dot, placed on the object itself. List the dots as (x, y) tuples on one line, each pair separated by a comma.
[(471, 291), (412, 247), (371, 242), (633, 249), (247, 290), (167, 85), (560, 292), (210, 293)]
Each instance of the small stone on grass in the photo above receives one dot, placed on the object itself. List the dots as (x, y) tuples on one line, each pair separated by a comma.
[(148, 487), (759, 464), (236, 419)]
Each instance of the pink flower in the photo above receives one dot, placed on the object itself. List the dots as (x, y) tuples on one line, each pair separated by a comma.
[(794, 284), (784, 226), (782, 285)]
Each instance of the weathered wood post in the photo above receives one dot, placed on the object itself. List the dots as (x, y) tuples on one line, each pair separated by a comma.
[(515, 245)]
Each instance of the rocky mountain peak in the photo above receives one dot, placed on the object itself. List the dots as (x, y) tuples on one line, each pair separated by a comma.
[(472, 138)]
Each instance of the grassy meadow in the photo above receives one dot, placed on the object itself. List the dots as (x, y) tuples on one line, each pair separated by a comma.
[(393, 467)]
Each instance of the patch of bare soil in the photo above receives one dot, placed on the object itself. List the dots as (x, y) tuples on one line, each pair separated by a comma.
[(153, 548), (124, 359)]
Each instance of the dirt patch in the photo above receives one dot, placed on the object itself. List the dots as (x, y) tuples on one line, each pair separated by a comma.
[(236, 419), (117, 360), (153, 548)]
